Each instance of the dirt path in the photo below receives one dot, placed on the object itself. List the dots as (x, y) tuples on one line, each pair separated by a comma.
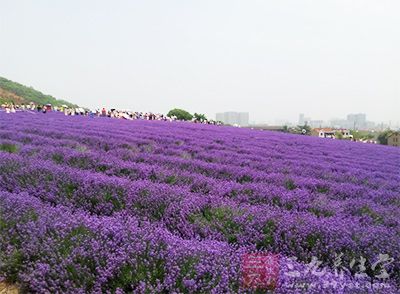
[(8, 289)]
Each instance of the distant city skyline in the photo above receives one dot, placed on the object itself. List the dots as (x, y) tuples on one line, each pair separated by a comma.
[(273, 59), (233, 118), (350, 121)]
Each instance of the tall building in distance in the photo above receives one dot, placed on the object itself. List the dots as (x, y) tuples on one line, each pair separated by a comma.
[(353, 121), (357, 120), (301, 119), (234, 118), (304, 120)]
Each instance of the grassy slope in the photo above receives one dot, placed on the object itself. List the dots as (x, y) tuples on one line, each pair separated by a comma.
[(14, 92)]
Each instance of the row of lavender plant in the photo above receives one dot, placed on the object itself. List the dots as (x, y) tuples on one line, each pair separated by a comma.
[(54, 250), (285, 194), (195, 215), (384, 194)]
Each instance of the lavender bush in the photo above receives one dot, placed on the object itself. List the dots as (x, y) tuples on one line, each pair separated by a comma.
[(103, 205)]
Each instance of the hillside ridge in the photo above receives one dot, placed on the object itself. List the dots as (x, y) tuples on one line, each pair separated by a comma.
[(17, 93)]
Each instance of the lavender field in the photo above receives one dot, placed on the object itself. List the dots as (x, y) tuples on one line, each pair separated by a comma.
[(98, 205)]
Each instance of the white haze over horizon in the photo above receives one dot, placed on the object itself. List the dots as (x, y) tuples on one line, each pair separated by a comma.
[(273, 59)]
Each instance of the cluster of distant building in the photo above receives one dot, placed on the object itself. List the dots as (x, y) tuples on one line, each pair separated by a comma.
[(353, 121), (331, 133), (393, 138), (355, 127), (233, 118)]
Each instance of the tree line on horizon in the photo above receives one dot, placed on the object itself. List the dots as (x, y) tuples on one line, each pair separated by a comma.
[(182, 114)]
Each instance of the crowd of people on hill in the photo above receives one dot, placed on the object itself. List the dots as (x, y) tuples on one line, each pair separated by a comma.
[(111, 113), (12, 107)]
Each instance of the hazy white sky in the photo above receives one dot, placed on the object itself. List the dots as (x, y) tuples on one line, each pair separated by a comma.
[(273, 58)]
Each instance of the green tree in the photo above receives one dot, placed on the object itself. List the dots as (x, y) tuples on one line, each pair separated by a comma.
[(200, 117), (305, 130), (369, 136), (383, 137), (338, 135), (180, 114), (356, 134), (362, 135)]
